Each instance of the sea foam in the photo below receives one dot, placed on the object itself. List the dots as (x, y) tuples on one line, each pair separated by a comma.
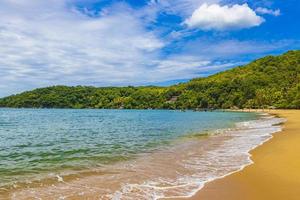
[(178, 170), (225, 156)]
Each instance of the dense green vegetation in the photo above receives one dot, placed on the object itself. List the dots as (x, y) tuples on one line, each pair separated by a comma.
[(270, 81)]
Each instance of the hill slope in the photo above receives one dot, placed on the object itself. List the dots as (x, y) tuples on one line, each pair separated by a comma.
[(269, 81)]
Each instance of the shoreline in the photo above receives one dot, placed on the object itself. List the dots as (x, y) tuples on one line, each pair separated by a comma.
[(210, 161), (260, 112), (247, 183)]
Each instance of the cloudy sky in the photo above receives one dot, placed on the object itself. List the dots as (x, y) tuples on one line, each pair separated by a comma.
[(136, 42)]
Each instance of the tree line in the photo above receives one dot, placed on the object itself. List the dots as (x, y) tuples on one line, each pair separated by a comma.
[(272, 81)]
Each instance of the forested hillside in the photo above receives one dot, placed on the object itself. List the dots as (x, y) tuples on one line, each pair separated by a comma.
[(269, 81)]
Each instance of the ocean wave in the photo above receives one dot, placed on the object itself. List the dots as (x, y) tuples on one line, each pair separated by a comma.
[(179, 170), (230, 155)]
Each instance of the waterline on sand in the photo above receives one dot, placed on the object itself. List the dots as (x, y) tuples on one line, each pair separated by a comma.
[(176, 171)]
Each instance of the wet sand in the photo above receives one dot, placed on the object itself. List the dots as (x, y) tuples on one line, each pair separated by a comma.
[(144, 176), (275, 173), (149, 176)]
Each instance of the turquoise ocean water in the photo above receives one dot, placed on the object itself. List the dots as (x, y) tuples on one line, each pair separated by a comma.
[(36, 141)]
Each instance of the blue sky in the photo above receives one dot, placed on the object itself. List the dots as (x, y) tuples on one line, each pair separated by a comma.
[(136, 42)]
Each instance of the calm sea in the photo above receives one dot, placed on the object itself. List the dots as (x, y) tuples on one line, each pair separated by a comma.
[(45, 140)]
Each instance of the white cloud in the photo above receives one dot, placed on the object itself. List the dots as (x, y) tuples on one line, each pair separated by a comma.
[(46, 43), (51, 42), (267, 11), (217, 17)]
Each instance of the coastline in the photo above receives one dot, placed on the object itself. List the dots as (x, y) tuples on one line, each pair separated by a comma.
[(274, 173), (197, 168)]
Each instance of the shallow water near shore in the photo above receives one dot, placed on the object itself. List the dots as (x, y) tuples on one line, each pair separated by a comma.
[(122, 154)]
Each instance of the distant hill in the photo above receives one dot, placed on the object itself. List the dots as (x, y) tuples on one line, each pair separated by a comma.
[(272, 81)]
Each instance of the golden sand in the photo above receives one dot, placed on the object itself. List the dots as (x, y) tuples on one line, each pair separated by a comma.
[(275, 173)]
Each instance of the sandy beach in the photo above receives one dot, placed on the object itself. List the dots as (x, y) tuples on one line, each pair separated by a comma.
[(275, 173)]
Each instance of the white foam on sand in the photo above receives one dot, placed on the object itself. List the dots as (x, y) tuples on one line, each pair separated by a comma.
[(221, 159), (180, 170)]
